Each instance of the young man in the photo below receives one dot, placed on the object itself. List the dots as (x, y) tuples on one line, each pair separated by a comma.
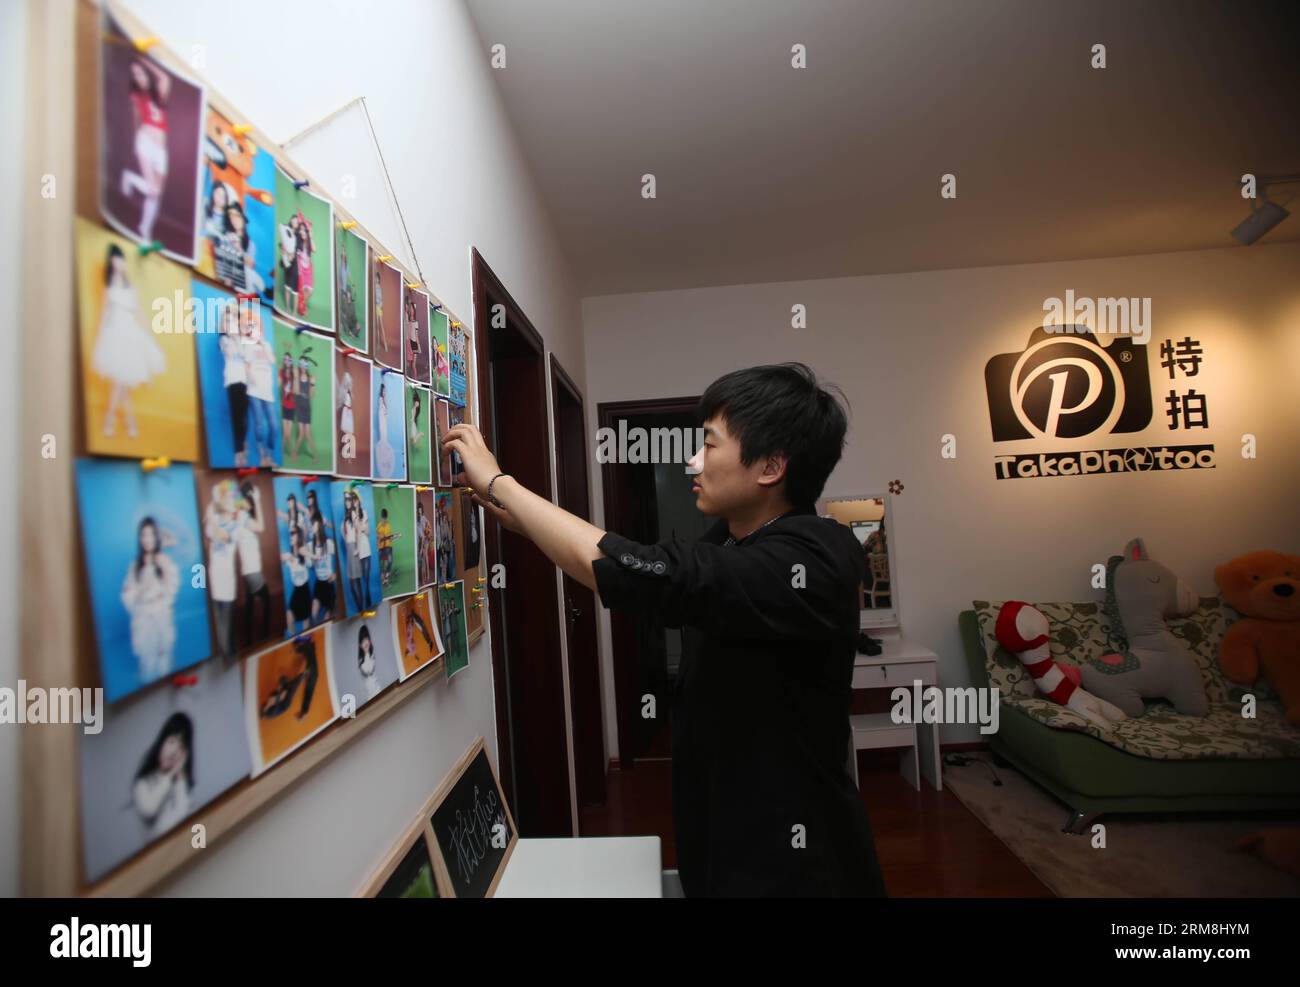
[(768, 600)]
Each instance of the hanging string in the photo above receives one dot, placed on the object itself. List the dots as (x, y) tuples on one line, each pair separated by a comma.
[(388, 180)]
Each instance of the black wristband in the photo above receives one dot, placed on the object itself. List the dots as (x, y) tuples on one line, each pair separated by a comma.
[(492, 499)]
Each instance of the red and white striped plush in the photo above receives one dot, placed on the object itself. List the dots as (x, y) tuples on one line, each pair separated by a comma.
[(1022, 630)]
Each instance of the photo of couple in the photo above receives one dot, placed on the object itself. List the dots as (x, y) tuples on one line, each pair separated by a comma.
[(236, 236), (357, 536), (304, 268), (237, 379), (305, 537), (305, 374)]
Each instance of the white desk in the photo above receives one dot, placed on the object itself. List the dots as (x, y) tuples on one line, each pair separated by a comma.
[(900, 663), (587, 867)]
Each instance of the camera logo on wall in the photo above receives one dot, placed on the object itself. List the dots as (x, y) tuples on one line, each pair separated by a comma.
[(1065, 385)]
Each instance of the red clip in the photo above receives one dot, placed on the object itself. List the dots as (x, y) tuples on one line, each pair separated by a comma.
[(348, 350), (309, 479), (247, 296), (182, 680), (246, 470)]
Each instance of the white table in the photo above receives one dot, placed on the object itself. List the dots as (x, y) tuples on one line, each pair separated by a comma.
[(586, 867), (900, 663)]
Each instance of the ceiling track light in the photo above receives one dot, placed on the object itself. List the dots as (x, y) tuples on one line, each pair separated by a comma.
[(1265, 215)]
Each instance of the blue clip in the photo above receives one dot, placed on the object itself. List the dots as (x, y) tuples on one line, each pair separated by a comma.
[(303, 184), (300, 329), (437, 308)]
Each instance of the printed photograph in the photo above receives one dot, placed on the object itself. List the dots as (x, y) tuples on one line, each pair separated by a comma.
[(237, 379), (426, 538), (415, 633), (161, 756), (308, 554), (387, 285), (304, 268), (150, 126), (419, 434), (388, 415), (306, 380), (445, 529), (352, 375), (137, 359), (442, 412), (355, 534), (352, 275), (395, 532), (288, 697), (143, 548), (236, 238), (458, 345), (455, 416), (438, 330), (245, 595), (455, 635), (415, 334), (364, 658)]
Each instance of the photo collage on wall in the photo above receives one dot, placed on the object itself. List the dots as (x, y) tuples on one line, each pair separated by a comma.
[(263, 387)]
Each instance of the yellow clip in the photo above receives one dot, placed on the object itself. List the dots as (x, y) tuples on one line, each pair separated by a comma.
[(241, 129), (413, 284), (369, 613), (420, 488), (347, 224), (149, 465), (481, 579), (448, 585), (469, 489), (455, 323), (383, 257), (144, 44), (475, 589)]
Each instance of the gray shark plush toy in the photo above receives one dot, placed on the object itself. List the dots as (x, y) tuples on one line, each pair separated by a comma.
[(1151, 662)]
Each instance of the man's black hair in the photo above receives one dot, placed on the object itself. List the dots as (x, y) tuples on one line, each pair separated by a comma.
[(780, 408)]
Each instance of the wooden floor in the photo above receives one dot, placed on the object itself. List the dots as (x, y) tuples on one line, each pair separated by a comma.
[(929, 844)]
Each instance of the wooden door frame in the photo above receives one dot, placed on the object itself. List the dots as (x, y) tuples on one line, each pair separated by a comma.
[(622, 646), (560, 380), (485, 283)]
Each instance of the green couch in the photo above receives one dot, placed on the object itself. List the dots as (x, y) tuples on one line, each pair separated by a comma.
[(1160, 762)]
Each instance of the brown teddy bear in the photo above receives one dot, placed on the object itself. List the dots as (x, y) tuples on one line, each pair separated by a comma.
[(1264, 587)]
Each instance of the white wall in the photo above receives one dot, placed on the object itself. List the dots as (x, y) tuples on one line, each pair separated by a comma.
[(13, 70), (909, 352), (461, 181)]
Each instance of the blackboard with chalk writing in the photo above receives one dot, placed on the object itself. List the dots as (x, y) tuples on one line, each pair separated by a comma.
[(474, 833)]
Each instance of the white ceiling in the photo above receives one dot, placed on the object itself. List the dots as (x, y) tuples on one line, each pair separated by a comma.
[(768, 173)]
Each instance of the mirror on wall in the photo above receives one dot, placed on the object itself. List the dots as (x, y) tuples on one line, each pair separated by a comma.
[(867, 516)]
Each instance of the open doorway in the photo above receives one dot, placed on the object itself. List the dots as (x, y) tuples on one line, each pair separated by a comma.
[(647, 502), (527, 670)]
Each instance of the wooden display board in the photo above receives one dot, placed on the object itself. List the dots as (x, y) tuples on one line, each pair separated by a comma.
[(59, 651)]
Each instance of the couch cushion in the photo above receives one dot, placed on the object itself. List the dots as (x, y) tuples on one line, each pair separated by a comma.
[(1081, 631), (1167, 735)]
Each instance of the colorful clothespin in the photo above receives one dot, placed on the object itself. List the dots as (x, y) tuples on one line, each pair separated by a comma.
[(247, 296), (183, 680), (301, 637), (413, 284), (383, 257), (300, 329), (476, 589), (149, 465), (144, 44), (455, 323), (302, 184), (420, 488), (241, 129), (391, 486), (246, 471), (448, 585), (386, 371), (369, 613), (437, 308), (149, 248), (309, 479), (348, 350), (347, 224)]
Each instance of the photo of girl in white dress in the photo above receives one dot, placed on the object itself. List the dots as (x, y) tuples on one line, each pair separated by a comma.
[(148, 594), (125, 354), (389, 441)]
